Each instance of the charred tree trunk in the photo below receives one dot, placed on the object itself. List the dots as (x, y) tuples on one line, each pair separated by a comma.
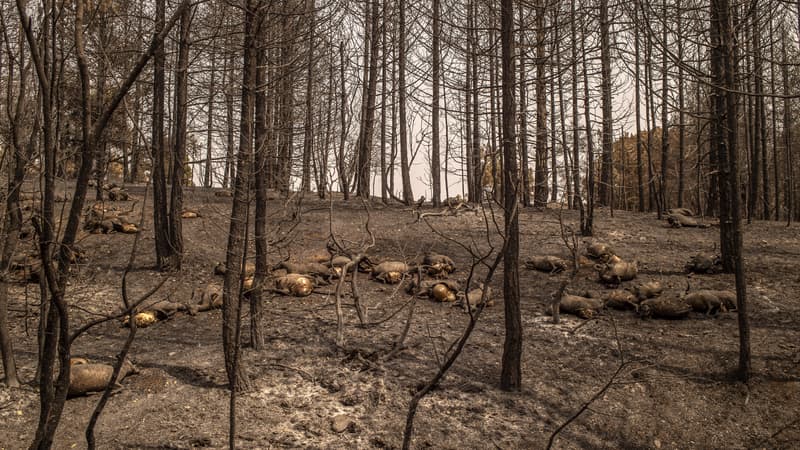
[(232, 295), (308, 140), (637, 96), (436, 69), (523, 116), (606, 171), (179, 144), (405, 170), (723, 129), (541, 191), (511, 372)]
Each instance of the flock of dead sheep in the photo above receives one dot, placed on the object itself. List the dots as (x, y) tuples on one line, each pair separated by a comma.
[(428, 278), (647, 299)]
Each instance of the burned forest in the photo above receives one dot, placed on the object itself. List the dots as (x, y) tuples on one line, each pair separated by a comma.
[(412, 224)]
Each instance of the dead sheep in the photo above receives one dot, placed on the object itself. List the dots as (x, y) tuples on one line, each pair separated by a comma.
[(24, 269), (305, 268), (583, 307), (337, 264), (679, 220), (710, 301), (85, 378), (438, 265), (664, 308), (439, 290), (117, 194), (704, 264), (294, 284), (599, 250), (124, 227), (390, 272), (728, 298), (549, 264), (705, 302), (207, 297), (621, 299), (473, 299), (617, 271), (682, 211), (189, 214), (647, 290), (249, 269)]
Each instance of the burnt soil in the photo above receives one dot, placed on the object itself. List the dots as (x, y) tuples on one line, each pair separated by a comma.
[(676, 387)]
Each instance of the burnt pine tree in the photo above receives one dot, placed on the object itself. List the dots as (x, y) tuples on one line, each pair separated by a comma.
[(232, 295), (723, 138), (511, 371), (435, 57)]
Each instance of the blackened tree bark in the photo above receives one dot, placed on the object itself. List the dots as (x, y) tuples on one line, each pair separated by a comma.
[(606, 171), (179, 144), (341, 159), (232, 294), (523, 114), (637, 97), (308, 129), (540, 177), (161, 228), (587, 219), (208, 179), (435, 57), (681, 108), (723, 138), (408, 195), (576, 174), (368, 122), (21, 154), (261, 153), (662, 189), (511, 371)]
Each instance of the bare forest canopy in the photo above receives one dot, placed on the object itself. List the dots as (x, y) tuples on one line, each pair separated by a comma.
[(349, 102)]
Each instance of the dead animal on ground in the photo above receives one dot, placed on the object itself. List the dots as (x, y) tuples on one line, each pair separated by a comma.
[(704, 264), (438, 265), (24, 269), (99, 226), (85, 378), (117, 194), (664, 308), (679, 220), (294, 284), (599, 250), (160, 310), (125, 227), (305, 268), (621, 299), (223, 193), (75, 360), (472, 300), (583, 307), (390, 272), (143, 319), (709, 301), (614, 273), (647, 289), (337, 264), (189, 214), (728, 298), (705, 302), (682, 211), (207, 297), (439, 290), (249, 269), (550, 264)]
